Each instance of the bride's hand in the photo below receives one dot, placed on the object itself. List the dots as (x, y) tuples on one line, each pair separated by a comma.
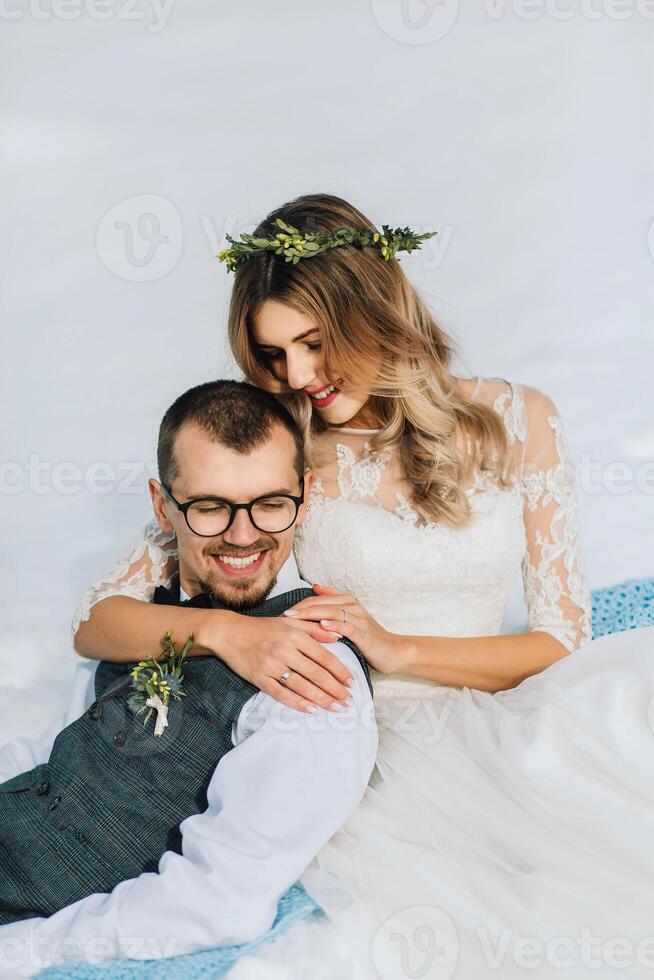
[(262, 648), (380, 647)]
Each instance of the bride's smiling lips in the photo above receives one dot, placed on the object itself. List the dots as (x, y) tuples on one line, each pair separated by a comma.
[(318, 397)]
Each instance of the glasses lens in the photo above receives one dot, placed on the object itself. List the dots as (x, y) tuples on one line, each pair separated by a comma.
[(274, 514), (208, 517)]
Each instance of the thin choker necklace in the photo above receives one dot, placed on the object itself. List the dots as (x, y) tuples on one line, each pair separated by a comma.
[(343, 428)]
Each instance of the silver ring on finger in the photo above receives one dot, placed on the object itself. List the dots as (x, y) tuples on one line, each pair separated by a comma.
[(285, 676), (344, 615)]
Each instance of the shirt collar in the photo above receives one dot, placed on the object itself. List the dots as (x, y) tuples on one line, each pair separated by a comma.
[(288, 578)]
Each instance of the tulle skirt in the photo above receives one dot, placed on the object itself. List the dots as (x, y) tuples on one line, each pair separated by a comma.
[(506, 835)]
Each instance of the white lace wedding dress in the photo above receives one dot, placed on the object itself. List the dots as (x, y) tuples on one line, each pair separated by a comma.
[(505, 834)]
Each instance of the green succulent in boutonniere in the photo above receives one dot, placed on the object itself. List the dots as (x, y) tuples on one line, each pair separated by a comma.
[(156, 681)]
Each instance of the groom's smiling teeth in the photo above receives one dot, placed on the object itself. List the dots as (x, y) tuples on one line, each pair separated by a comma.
[(239, 562), (240, 565)]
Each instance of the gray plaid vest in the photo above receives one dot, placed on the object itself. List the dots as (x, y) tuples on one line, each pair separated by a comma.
[(110, 799)]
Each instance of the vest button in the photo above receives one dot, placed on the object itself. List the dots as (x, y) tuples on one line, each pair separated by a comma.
[(43, 788), (119, 739), (95, 712), (55, 803)]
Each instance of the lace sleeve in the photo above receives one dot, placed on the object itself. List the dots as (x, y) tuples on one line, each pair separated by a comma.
[(556, 593), (150, 562)]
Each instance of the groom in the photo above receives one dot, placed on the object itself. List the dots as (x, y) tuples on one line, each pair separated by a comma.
[(131, 843)]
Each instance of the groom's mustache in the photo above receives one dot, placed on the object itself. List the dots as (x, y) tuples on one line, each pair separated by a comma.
[(269, 545)]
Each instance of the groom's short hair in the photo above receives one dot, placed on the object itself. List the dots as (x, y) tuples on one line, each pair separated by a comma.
[(234, 413)]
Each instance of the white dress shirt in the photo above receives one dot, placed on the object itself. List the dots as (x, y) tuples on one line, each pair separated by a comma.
[(288, 785)]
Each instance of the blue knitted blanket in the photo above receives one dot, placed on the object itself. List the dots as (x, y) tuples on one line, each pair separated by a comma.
[(620, 607)]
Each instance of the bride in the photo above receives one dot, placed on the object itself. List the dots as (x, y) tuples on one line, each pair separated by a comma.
[(508, 825)]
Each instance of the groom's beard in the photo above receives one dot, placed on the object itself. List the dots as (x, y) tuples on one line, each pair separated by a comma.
[(235, 602), (239, 593)]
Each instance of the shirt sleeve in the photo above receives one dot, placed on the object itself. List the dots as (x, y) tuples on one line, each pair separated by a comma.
[(273, 801), (556, 592), (150, 562)]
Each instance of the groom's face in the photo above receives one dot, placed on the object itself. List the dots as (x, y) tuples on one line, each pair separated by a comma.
[(206, 468)]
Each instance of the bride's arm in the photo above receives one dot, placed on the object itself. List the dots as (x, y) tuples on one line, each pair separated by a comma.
[(118, 621), (114, 619), (556, 594)]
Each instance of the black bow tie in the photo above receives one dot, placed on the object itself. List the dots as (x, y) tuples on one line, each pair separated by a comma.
[(170, 597)]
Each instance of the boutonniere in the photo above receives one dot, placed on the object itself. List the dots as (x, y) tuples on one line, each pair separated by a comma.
[(156, 681)]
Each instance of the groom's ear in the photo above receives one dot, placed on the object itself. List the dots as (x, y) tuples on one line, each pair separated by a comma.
[(158, 505), (309, 477)]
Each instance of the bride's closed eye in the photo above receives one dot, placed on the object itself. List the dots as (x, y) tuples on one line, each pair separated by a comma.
[(275, 355)]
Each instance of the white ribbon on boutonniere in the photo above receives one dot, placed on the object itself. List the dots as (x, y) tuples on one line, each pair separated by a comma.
[(162, 714)]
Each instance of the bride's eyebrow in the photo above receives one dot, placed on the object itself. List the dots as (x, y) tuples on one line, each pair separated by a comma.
[(300, 336)]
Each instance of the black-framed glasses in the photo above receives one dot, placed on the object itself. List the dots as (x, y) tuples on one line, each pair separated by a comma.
[(209, 516)]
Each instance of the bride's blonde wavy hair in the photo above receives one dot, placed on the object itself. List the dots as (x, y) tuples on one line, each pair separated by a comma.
[(369, 314)]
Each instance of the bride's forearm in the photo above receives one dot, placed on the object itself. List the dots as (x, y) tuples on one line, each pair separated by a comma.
[(487, 663), (123, 629)]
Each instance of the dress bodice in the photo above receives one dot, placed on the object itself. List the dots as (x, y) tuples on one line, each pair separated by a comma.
[(416, 577)]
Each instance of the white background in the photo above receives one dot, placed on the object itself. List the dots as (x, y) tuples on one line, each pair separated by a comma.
[(523, 133)]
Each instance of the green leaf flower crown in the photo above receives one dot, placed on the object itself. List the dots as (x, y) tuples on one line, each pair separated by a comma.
[(293, 245)]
